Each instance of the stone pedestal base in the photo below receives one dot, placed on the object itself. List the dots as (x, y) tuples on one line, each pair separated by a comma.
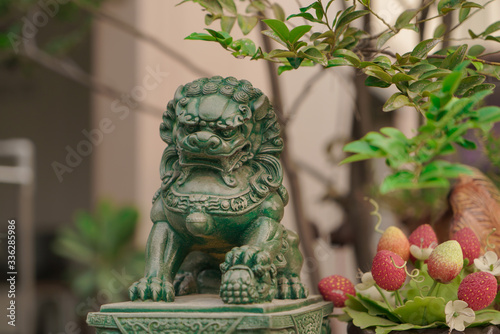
[(207, 314)]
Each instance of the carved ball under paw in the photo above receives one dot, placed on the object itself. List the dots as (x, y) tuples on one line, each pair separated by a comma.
[(152, 288), (239, 286)]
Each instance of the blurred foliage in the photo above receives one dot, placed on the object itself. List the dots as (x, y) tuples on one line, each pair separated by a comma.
[(25, 20), (446, 87), (100, 247)]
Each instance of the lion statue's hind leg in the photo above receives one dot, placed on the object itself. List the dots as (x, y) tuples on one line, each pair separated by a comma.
[(289, 284)]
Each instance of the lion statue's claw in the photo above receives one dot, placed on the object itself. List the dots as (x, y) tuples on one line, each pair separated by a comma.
[(152, 288), (291, 288)]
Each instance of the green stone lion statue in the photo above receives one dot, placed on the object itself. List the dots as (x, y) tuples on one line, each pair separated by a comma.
[(221, 196)]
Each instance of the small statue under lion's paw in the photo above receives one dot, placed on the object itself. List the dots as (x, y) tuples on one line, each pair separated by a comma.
[(221, 195)]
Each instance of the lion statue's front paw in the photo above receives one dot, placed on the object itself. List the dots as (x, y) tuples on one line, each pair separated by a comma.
[(152, 288), (247, 255)]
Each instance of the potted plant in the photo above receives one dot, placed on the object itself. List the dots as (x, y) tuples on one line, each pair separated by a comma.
[(451, 286)]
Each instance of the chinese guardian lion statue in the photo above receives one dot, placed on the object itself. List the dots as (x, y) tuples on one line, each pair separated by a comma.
[(222, 195)]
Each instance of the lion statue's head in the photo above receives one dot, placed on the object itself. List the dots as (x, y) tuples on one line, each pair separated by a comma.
[(221, 124)]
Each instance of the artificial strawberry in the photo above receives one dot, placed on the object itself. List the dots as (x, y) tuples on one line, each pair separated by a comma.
[(388, 270), (445, 262), (394, 240), (335, 288), (478, 290), (471, 247), (423, 239)]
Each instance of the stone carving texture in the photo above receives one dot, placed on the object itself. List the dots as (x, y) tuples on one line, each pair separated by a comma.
[(221, 194)]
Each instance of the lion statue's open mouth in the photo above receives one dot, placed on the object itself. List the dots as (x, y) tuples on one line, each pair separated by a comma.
[(221, 199)]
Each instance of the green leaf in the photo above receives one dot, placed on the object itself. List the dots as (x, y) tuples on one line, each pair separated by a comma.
[(376, 82), (295, 61), (469, 82), (463, 14), (247, 23), (227, 23), (277, 53), (423, 48), (209, 18), (422, 311), (379, 74), (272, 34), (366, 3), (399, 180), (405, 18), (284, 68), (228, 5), (398, 77), (338, 62), (200, 37), (440, 30), (487, 317), (472, 34), (279, 28), (384, 38), (278, 11), (348, 54), (437, 73), (471, 5), (445, 6), (356, 158), (478, 88), (476, 50), (298, 32), (491, 28), (490, 114), (455, 58), (492, 38), (361, 146), (417, 70), (350, 17), (306, 16), (246, 47), (451, 82), (213, 6), (365, 320), (418, 86), (394, 133), (397, 100), (314, 54)]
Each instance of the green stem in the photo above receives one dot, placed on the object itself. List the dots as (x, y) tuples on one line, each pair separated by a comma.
[(398, 298), (384, 297), (432, 288)]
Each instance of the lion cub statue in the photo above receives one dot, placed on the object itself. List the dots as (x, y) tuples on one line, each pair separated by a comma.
[(222, 196)]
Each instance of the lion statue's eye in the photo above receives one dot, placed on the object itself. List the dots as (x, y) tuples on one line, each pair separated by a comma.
[(228, 133)]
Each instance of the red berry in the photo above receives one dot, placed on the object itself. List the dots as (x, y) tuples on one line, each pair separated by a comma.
[(336, 288), (394, 240), (388, 270), (423, 237), (471, 247), (478, 290), (445, 262)]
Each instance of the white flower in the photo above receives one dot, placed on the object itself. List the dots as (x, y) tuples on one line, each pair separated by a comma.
[(488, 263), (367, 282), (421, 253), (458, 315)]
